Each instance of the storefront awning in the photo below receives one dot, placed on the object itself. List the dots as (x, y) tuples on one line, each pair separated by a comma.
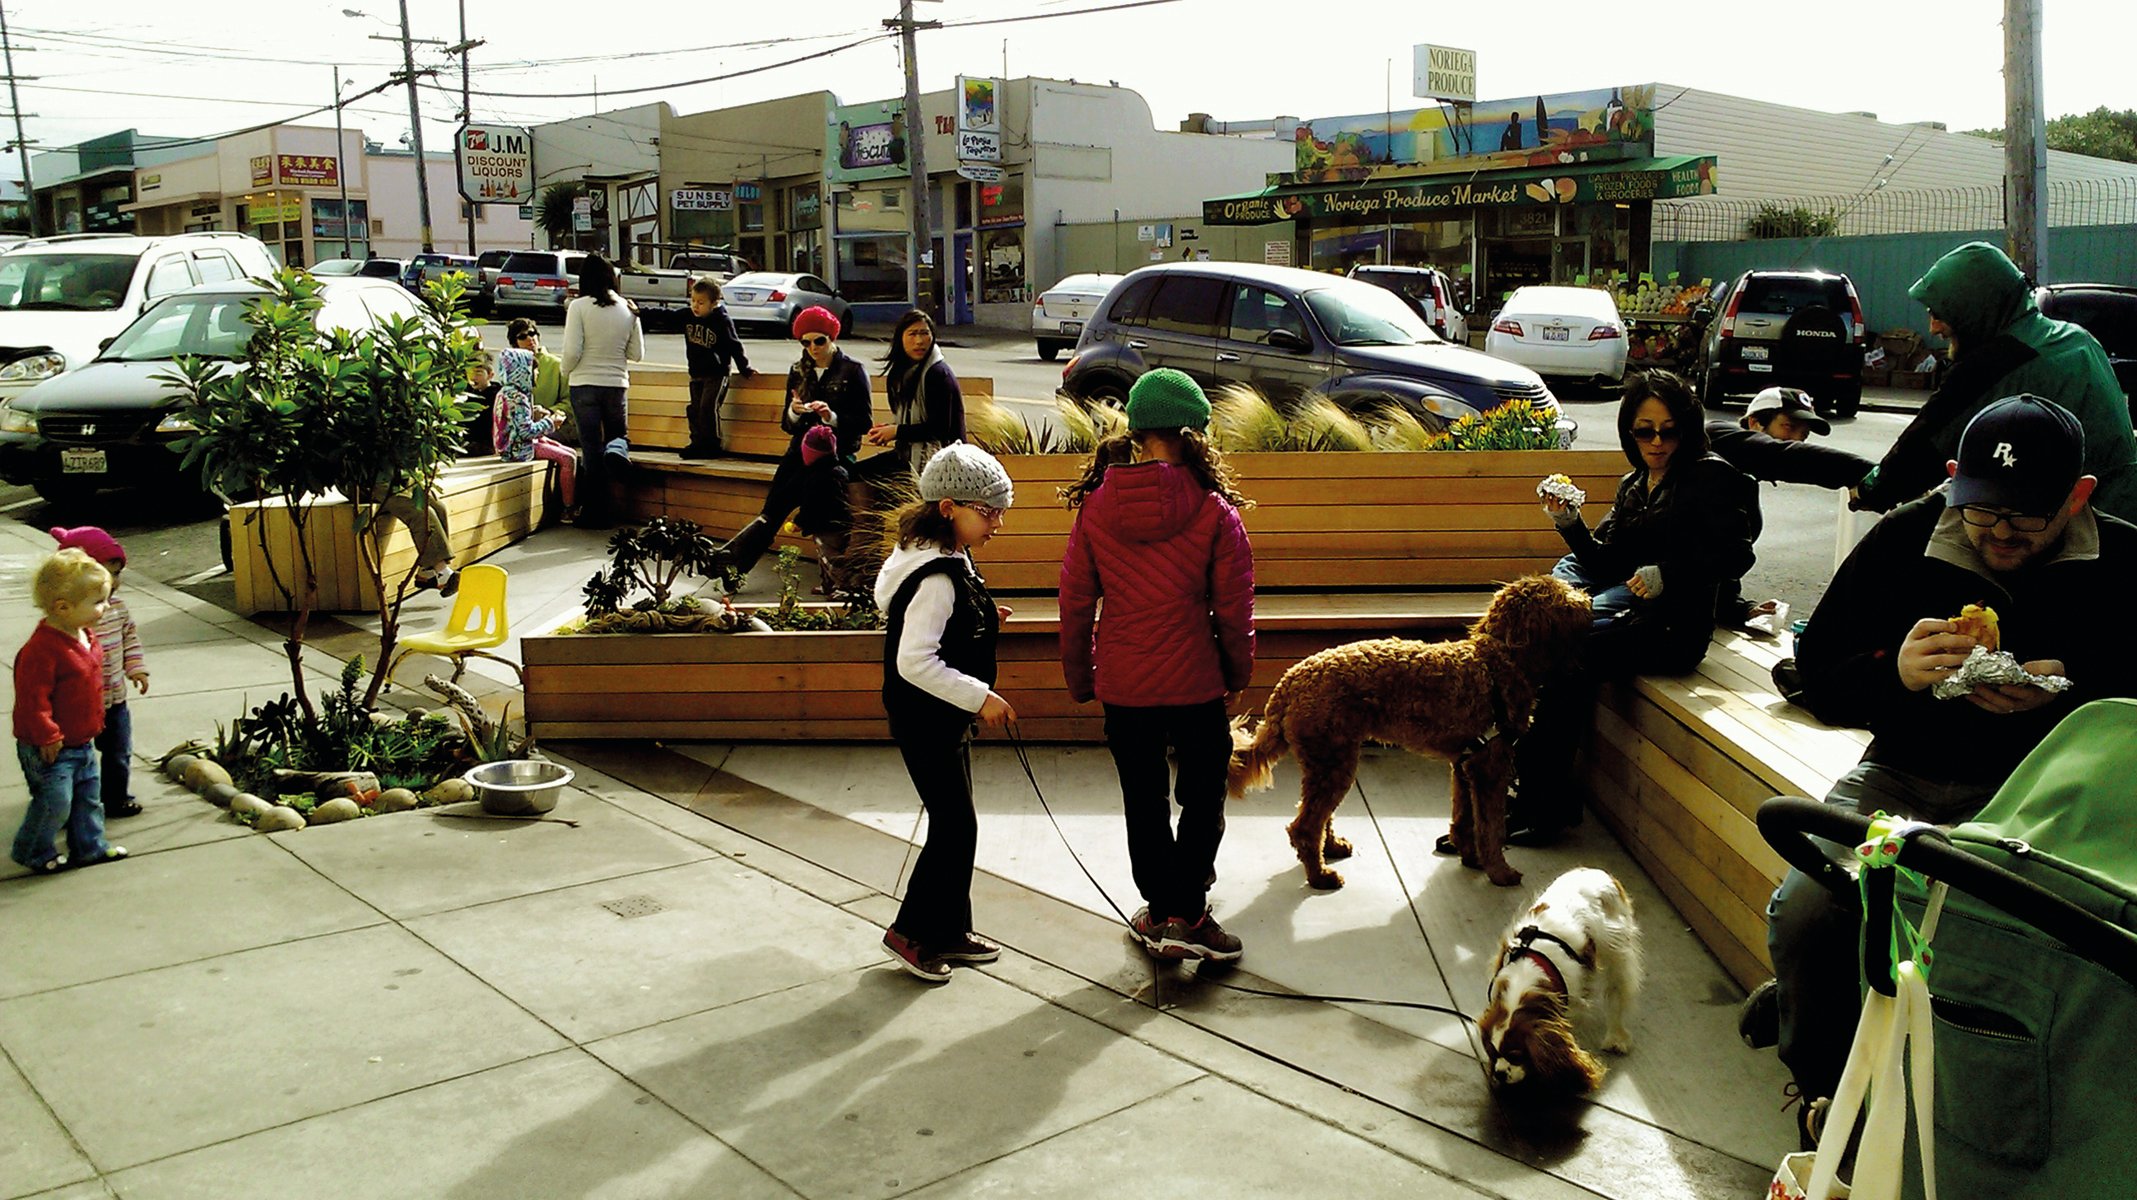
[(167, 201), (1670, 178)]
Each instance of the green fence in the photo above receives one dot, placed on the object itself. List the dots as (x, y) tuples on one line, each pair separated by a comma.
[(1883, 266)]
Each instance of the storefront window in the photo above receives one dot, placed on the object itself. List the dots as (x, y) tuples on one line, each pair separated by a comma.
[(805, 207), (327, 228), (1002, 256), (871, 267), (873, 210), (1002, 203)]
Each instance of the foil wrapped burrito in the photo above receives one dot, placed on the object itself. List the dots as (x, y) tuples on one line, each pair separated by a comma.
[(1993, 667), (1562, 487)]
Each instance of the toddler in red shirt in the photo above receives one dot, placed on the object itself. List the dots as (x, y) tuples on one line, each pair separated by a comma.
[(59, 711)]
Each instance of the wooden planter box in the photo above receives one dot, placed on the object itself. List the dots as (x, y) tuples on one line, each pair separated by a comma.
[(488, 505), (828, 686)]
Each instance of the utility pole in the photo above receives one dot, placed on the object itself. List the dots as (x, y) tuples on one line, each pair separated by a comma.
[(341, 166), (2025, 149), (415, 130), (467, 111), (14, 103), (915, 143)]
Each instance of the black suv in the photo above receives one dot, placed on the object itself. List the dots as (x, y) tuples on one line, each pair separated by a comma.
[(2109, 314), (1287, 333), (1801, 329)]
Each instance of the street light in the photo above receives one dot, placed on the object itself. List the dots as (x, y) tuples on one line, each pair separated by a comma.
[(415, 117)]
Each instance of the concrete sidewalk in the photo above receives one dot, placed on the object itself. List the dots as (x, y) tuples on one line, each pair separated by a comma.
[(673, 988)]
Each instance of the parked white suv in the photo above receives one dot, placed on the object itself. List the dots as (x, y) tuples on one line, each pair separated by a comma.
[(62, 297)]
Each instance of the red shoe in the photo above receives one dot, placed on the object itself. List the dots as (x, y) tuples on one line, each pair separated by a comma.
[(917, 962), (971, 949)]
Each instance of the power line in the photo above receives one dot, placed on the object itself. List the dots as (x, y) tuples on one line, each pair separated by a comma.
[(90, 42), (1074, 12), (662, 87)]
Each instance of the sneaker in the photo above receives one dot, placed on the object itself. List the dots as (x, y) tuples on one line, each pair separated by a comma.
[(1758, 1021), (110, 854), (448, 581), (972, 949), (917, 962), (1153, 933), (123, 808), (696, 451), (1204, 938)]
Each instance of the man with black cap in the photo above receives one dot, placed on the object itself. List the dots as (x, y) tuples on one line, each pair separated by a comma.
[(2014, 529), (1772, 443)]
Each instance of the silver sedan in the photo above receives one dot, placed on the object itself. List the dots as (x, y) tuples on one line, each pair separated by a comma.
[(768, 301)]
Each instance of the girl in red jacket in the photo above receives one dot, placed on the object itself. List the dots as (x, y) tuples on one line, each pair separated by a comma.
[(1159, 536)]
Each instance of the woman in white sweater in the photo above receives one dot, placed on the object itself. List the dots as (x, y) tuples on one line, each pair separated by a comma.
[(601, 339)]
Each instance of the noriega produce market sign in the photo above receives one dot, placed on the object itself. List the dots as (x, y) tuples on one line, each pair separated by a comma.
[(1658, 179)]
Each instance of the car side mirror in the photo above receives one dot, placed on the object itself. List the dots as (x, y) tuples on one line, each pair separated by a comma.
[(1285, 339), (106, 343)]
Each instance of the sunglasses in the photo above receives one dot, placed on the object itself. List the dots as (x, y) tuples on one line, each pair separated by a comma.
[(986, 511), (1647, 433), (1989, 518), (818, 340)]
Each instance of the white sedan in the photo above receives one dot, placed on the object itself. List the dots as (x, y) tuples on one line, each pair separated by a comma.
[(1058, 315), (768, 301), (1569, 332)]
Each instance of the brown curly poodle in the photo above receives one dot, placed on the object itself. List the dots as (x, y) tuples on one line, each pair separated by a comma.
[(1464, 701)]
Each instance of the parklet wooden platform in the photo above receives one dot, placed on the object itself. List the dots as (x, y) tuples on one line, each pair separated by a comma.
[(1679, 766), (828, 686), (489, 504)]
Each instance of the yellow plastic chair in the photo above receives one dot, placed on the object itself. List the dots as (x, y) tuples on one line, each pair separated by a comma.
[(476, 624)]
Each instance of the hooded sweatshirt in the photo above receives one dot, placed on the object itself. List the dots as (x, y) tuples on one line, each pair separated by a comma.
[(2005, 347), (1171, 559)]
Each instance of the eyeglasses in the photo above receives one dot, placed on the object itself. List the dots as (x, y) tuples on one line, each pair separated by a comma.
[(1648, 433), (986, 511), (1988, 518), (815, 341)]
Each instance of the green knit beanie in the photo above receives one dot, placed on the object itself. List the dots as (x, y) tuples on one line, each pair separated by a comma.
[(1167, 400)]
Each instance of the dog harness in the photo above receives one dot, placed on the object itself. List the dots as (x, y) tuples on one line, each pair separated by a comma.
[(1523, 945)]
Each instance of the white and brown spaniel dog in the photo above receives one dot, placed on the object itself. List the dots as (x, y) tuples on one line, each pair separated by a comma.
[(1573, 954)]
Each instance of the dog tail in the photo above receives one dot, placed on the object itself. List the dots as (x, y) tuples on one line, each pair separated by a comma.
[(1255, 754)]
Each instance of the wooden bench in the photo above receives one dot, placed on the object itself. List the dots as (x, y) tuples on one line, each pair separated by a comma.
[(828, 686), (1679, 766), (489, 504)]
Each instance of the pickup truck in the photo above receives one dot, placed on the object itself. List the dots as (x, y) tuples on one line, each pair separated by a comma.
[(667, 292)]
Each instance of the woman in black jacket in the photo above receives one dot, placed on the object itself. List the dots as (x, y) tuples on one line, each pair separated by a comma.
[(927, 408), (824, 388), (1679, 528)]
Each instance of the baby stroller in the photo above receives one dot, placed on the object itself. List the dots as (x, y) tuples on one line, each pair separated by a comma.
[(2032, 975)]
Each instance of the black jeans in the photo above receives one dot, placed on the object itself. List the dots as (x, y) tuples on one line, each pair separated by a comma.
[(789, 485), (703, 415), (600, 413), (1173, 871), (937, 911)]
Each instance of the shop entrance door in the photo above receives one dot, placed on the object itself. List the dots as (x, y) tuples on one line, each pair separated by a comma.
[(1511, 263), (966, 280)]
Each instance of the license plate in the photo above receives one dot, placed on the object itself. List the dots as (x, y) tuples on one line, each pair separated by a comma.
[(1557, 333), (746, 297), (1072, 328), (1754, 354), (1758, 366), (83, 462)]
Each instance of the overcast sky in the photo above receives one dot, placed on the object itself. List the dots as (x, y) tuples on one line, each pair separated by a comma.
[(1235, 59)]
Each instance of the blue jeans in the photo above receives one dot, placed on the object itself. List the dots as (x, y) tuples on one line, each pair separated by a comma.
[(1608, 599), (116, 747), (65, 793), (1813, 935)]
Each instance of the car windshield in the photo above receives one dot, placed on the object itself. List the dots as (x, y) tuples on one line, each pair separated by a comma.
[(65, 282), (531, 264), (1364, 315), (208, 325)]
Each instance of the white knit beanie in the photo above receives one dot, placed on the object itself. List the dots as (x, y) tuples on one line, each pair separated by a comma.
[(960, 471)]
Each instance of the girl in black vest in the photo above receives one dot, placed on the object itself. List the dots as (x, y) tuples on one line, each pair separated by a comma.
[(938, 675)]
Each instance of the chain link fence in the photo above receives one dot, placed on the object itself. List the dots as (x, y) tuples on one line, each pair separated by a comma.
[(2069, 202)]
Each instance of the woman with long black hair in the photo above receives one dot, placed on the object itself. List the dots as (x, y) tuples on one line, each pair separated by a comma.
[(927, 408), (601, 339)]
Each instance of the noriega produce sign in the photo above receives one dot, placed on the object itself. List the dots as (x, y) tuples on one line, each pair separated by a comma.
[(1670, 179)]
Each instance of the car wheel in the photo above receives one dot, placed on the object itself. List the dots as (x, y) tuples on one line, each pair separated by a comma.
[(845, 324), (1846, 401), (1049, 351), (1710, 388), (228, 563), (1107, 393)]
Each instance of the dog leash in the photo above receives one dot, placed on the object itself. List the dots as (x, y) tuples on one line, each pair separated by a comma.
[(1016, 743)]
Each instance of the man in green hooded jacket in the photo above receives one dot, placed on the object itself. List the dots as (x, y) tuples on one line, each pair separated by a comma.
[(2002, 345)]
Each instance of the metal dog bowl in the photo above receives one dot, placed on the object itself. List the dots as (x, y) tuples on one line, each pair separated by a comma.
[(519, 785)]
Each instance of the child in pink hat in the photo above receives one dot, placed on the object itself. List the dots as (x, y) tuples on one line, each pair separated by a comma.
[(124, 662)]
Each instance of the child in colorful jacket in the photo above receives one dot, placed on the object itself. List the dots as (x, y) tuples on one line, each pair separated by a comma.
[(124, 663), (521, 431)]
